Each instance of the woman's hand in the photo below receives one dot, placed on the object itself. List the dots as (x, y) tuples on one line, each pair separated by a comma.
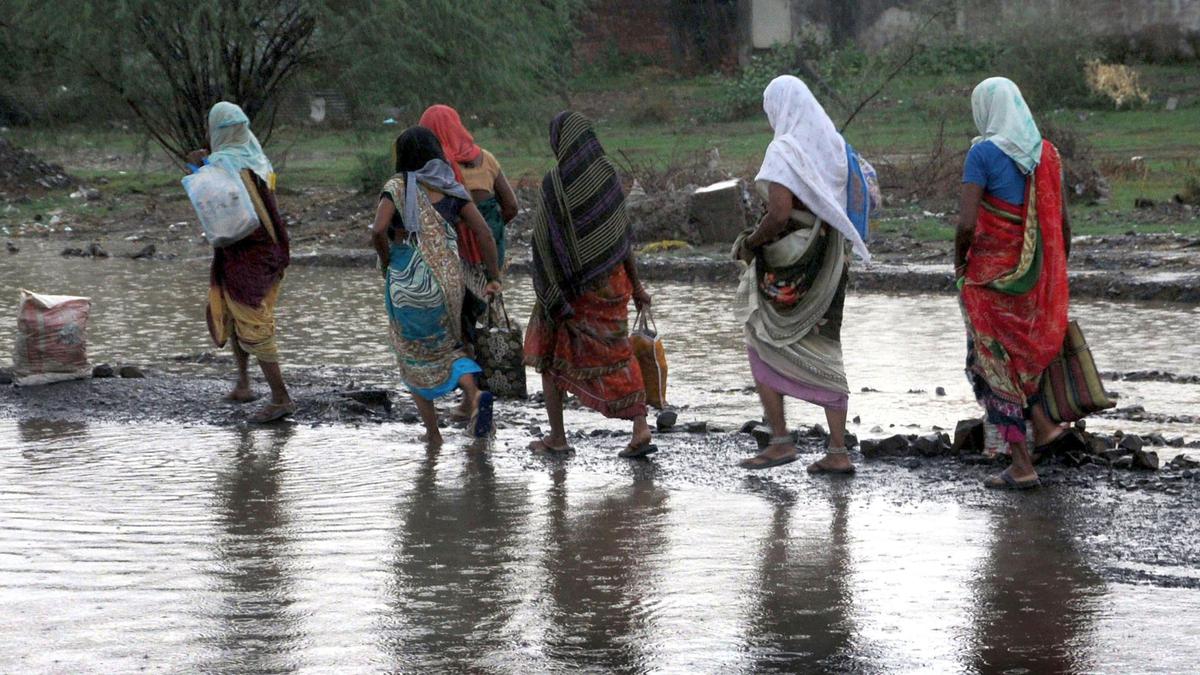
[(197, 157), (641, 299), (493, 288)]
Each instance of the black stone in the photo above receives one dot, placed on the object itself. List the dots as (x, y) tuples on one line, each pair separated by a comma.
[(1132, 443), (131, 372), (103, 371), (1146, 460), (968, 436)]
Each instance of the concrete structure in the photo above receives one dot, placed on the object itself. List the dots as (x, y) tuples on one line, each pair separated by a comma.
[(712, 33)]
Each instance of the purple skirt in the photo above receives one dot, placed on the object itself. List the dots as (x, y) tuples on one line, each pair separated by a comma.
[(766, 375)]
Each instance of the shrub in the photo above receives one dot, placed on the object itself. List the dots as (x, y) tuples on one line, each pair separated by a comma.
[(653, 107), (1047, 61), (741, 95), (1116, 82), (373, 170)]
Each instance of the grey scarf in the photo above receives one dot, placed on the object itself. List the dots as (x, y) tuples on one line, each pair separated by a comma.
[(435, 175)]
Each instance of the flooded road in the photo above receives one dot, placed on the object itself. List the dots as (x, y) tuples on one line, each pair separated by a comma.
[(335, 548), (286, 549), (900, 347)]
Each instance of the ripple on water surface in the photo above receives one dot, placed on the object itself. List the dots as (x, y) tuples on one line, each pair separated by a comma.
[(335, 548)]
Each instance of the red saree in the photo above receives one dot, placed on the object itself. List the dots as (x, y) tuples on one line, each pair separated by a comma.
[(1015, 296), (589, 353)]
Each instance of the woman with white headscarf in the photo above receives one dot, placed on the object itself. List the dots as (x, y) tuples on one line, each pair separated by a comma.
[(246, 275), (792, 292), (1010, 261)]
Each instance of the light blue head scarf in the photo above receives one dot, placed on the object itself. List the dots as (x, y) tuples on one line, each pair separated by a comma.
[(234, 146), (1002, 117)]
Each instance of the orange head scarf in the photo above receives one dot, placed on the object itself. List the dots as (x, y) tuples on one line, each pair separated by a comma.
[(457, 142)]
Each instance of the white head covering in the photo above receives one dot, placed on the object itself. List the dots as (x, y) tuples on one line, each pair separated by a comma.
[(1002, 117), (808, 155), (233, 144)]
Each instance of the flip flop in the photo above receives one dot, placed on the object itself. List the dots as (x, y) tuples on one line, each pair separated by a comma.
[(759, 462), (273, 412), (816, 468), (542, 447), (632, 451), (1005, 481), (482, 422)]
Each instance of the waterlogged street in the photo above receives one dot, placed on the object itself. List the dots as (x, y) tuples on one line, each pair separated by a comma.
[(324, 545)]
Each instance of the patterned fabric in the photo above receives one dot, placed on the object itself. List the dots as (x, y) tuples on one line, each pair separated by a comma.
[(490, 208), (1015, 296), (589, 354), (580, 228), (764, 374), (1002, 117), (500, 352), (424, 295), (1071, 388)]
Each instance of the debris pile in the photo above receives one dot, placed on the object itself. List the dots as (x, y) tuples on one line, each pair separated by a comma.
[(21, 171)]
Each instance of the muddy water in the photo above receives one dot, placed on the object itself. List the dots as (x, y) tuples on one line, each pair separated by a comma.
[(325, 549), (340, 549), (900, 347)]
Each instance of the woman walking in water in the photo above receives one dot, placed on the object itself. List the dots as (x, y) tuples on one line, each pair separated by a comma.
[(791, 295), (584, 274), (418, 256), (1010, 260), (245, 277)]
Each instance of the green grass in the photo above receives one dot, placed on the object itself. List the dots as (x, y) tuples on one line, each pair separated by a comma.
[(905, 120)]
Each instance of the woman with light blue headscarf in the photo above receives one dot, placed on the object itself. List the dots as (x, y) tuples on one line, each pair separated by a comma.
[(1010, 260), (246, 276)]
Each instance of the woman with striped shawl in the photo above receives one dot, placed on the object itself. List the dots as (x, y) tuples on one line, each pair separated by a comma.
[(584, 274)]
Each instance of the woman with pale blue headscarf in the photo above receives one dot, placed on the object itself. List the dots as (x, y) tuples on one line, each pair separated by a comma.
[(246, 275), (1011, 264)]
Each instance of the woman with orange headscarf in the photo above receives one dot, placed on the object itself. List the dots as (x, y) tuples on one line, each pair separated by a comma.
[(479, 172)]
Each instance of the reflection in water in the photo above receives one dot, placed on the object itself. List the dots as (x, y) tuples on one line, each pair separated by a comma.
[(600, 566), (34, 430), (455, 550), (800, 621), (257, 632), (1036, 598)]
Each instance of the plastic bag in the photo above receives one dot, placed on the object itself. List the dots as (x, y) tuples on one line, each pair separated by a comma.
[(51, 341), (222, 204), (652, 357)]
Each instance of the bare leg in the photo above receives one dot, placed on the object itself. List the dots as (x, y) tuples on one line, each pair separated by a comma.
[(279, 392), (470, 390), (1022, 464), (241, 391), (772, 403), (557, 438), (433, 435), (834, 461), (1044, 430)]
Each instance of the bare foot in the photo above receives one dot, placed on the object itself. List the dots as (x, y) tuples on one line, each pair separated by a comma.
[(432, 439), (776, 454), (550, 445), (241, 395), (832, 462)]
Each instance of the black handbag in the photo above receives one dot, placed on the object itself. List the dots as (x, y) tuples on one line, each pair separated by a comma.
[(499, 351)]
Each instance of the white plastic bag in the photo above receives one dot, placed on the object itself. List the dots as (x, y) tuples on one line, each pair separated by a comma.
[(222, 203), (51, 339)]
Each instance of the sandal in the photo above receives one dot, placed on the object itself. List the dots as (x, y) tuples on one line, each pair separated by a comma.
[(638, 451), (817, 466), (273, 412), (542, 447), (1005, 481), (482, 422), (761, 461)]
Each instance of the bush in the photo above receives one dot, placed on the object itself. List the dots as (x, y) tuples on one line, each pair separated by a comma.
[(1116, 82), (1047, 61), (741, 96), (653, 107), (373, 171)]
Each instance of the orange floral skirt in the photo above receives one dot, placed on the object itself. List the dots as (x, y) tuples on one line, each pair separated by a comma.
[(589, 353)]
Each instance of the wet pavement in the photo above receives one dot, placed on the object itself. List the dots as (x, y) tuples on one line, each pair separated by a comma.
[(161, 546)]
